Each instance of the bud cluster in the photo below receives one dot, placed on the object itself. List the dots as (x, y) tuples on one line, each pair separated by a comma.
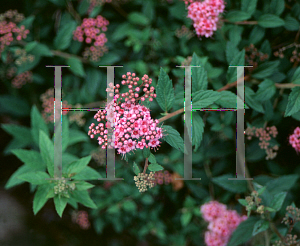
[(264, 137), (295, 54), (254, 201), (82, 219), (184, 32), (254, 57), (62, 187), (22, 79), (22, 57), (77, 116), (187, 61), (290, 240), (161, 177), (292, 215), (143, 180), (9, 31)]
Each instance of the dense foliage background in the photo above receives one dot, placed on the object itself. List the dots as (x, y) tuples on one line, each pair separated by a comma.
[(149, 37)]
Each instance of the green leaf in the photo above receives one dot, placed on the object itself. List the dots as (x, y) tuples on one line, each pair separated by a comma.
[(243, 202), (278, 200), (173, 138), (76, 66), (266, 90), (20, 133), (76, 136), (197, 130), (138, 19), (164, 91), (238, 60), (47, 152), (243, 232), (229, 100), (65, 132), (37, 124), (36, 178), (82, 185), (237, 15), (266, 69), (199, 75), (152, 158), (129, 206), (14, 105), (31, 158), (64, 36), (155, 167), (236, 186), (270, 21), (87, 173), (261, 190), (202, 99), (26, 66), (40, 198), (260, 226), (293, 105), (83, 7), (121, 31), (83, 197), (291, 24), (146, 152), (186, 218), (283, 183), (27, 22), (79, 165), (231, 51), (277, 7), (235, 33), (270, 209), (249, 6), (296, 76), (256, 35), (38, 49), (60, 204), (136, 168), (249, 94), (14, 178)]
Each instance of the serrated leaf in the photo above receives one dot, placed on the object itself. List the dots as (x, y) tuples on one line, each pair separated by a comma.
[(38, 49), (155, 167), (83, 197), (87, 173), (37, 124), (231, 51), (136, 168), (146, 152), (173, 138), (64, 36), (270, 21), (249, 94), (278, 200), (238, 60), (277, 7), (266, 69), (79, 165), (296, 76), (202, 99), (185, 218), (235, 33), (237, 15), (152, 158), (236, 186), (60, 204), (14, 180), (243, 232), (82, 185), (76, 66), (249, 6), (197, 130), (20, 133), (283, 183), (14, 105), (47, 152), (36, 178), (31, 158), (76, 136), (199, 75), (260, 226), (256, 35), (266, 90), (164, 91), (293, 105), (229, 100), (40, 198), (291, 24)]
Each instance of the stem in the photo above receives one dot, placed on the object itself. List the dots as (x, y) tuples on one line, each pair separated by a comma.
[(286, 86), (273, 227), (67, 55), (73, 12), (242, 22), (267, 239), (171, 115), (146, 166), (209, 175)]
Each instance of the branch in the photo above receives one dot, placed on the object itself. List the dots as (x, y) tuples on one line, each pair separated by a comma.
[(242, 22), (146, 166)]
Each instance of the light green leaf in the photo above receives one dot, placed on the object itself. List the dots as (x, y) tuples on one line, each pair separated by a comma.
[(238, 60), (164, 91), (266, 90), (14, 178), (138, 19), (47, 152), (278, 200), (229, 100), (129, 206), (20, 133), (296, 76), (197, 130), (136, 168), (31, 158), (87, 173), (236, 15), (270, 21), (155, 167), (146, 152), (37, 124), (13, 105), (283, 183), (152, 158), (266, 69), (82, 185), (83, 197), (38, 49), (249, 6), (260, 226), (186, 218), (36, 178), (40, 198), (202, 99), (76, 136), (293, 105), (65, 132), (60, 204), (236, 186), (243, 202), (249, 94), (79, 165), (199, 75), (76, 66), (173, 138)]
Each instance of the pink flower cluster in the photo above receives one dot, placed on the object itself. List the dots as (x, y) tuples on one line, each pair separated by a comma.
[(222, 223), (160, 177), (133, 126), (22, 79), (295, 139), (92, 32), (82, 219), (9, 31), (205, 16)]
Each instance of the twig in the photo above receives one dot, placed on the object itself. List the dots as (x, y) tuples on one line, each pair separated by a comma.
[(73, 12), (273, 227), (146, 166), (242, 22), (67, 55)]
